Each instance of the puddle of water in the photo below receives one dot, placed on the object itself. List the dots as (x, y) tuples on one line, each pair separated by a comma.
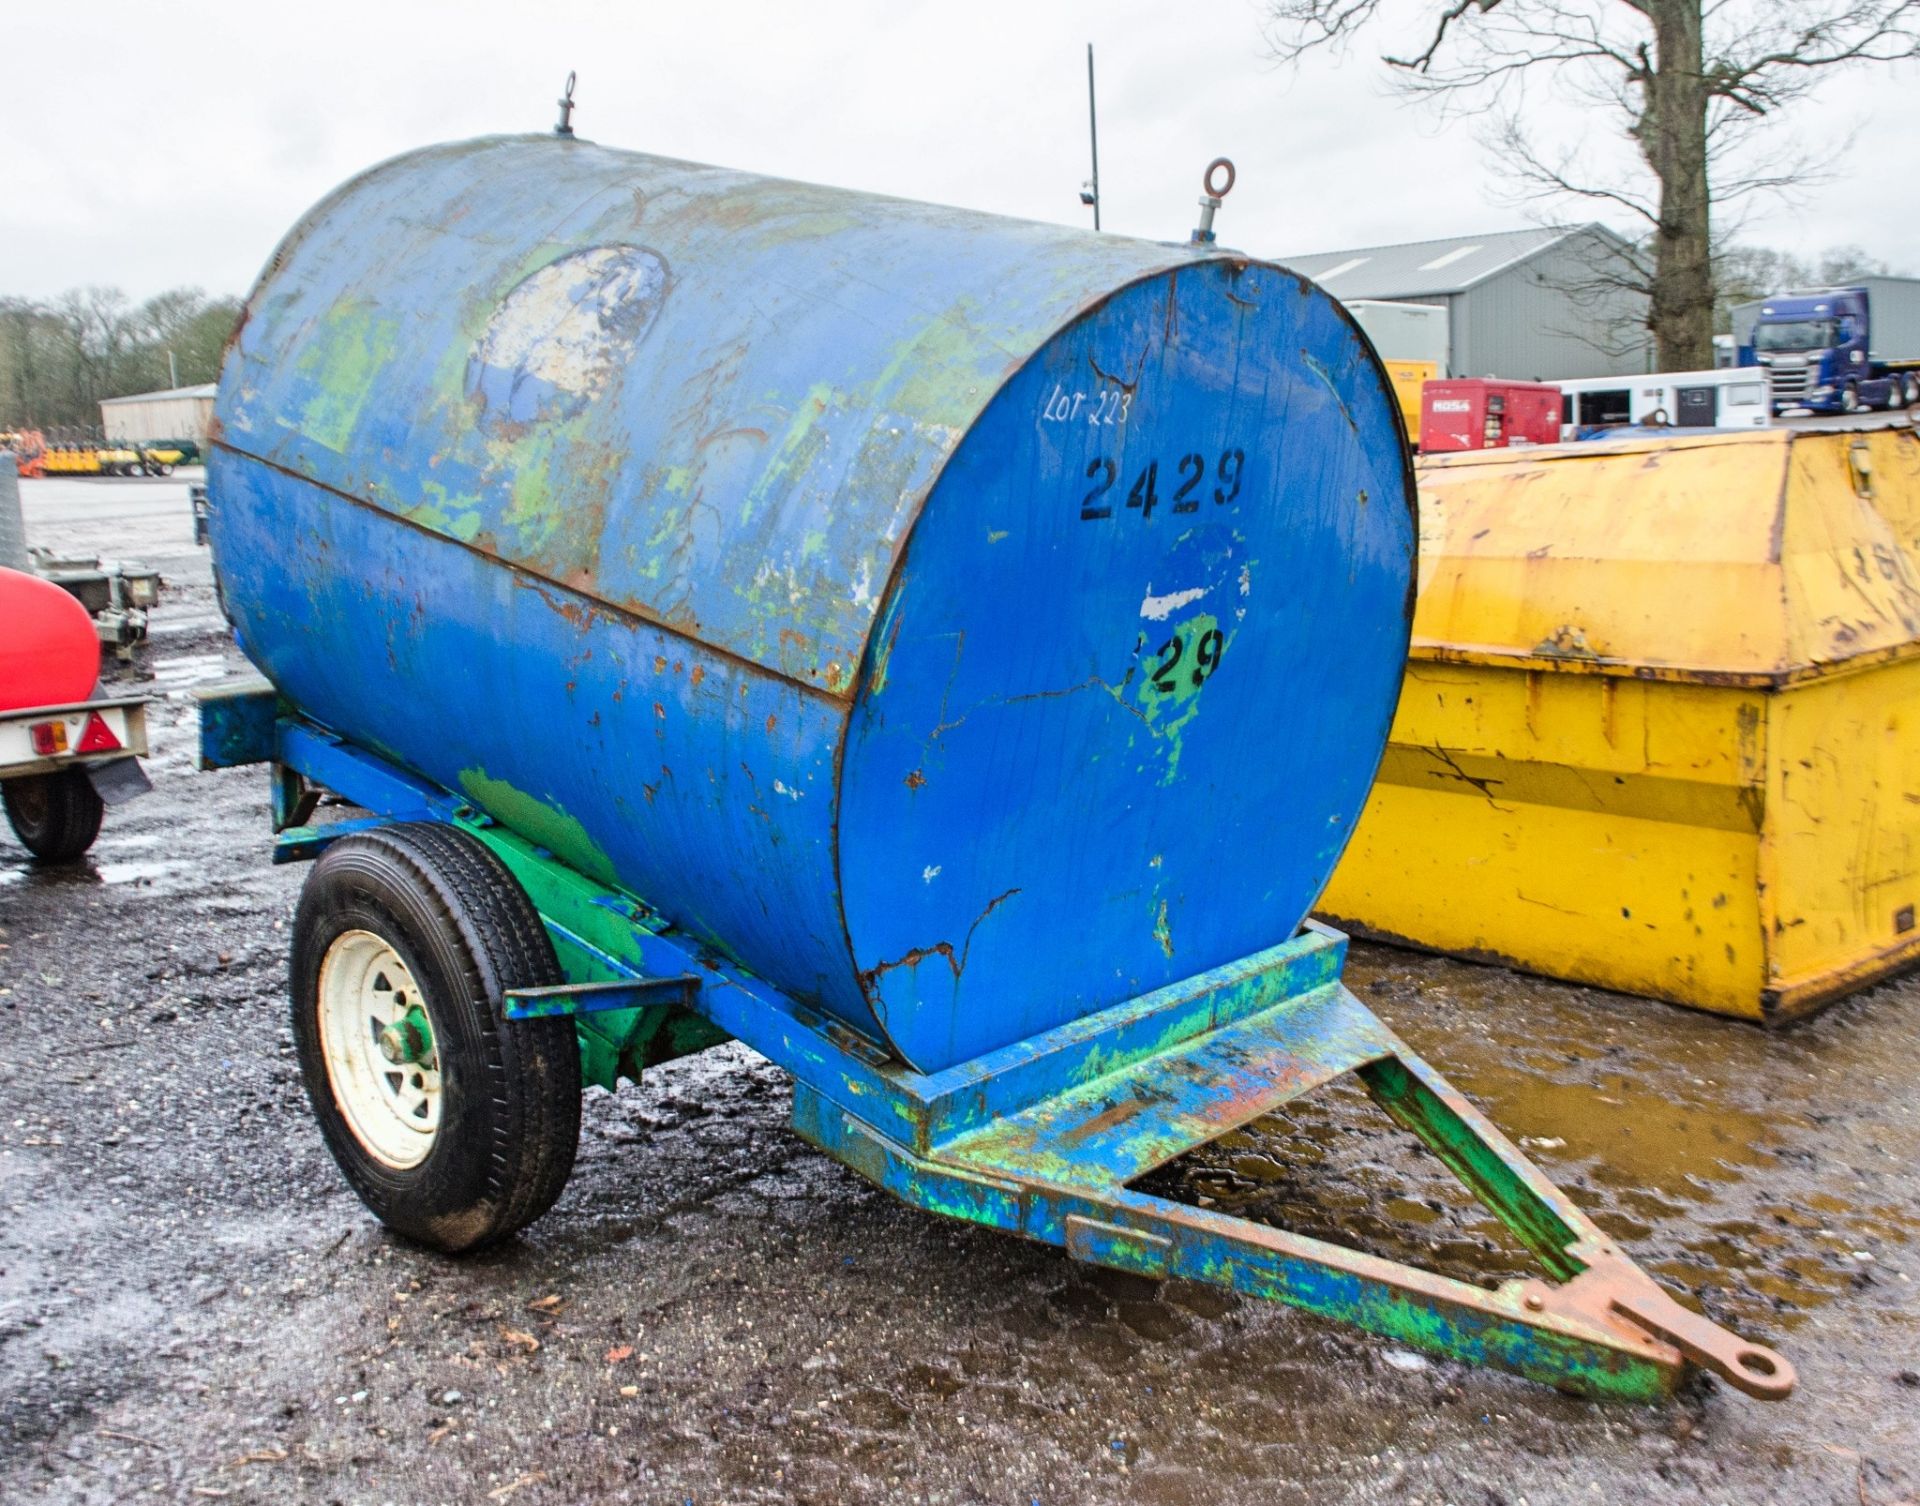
[(1693, 1140), (89, 872), (199, 623), (115, 842), (134, 873), (181, 670)]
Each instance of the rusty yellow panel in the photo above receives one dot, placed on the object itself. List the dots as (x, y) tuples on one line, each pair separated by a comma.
[(1703, 558), (1578, 825), (1840, 864), (1661, 727), (1408, 377)]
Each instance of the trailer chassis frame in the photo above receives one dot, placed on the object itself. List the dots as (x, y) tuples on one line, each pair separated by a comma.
[(1044, 1138)]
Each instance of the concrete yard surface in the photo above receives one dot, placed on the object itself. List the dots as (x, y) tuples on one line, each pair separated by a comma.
[(194, 1307)]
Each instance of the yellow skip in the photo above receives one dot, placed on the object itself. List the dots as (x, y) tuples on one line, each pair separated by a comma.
[(1660, 729)]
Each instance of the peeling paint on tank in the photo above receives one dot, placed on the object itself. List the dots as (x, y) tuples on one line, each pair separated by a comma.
[(340, 362), (555, 341), (1160, 608)]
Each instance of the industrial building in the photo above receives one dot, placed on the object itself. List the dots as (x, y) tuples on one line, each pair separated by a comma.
[(1540, 303), (177, 413)]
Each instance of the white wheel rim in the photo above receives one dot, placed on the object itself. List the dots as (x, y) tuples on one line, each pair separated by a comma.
[(393, 1108)]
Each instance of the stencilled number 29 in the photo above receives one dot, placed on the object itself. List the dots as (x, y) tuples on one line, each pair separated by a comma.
[(1172, 660)]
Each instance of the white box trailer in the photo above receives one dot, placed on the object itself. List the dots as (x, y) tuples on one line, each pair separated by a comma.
[(1411, 339), (1729, 398), (1404, 331)]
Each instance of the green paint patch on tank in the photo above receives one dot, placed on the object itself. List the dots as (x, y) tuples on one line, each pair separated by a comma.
[(799, 447), (342, 358), (538, 822), (556, 500), (1167, 693), (444, 512)]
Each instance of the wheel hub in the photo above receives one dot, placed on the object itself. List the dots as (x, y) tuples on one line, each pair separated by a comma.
[(377, 1039), (408, 1039)]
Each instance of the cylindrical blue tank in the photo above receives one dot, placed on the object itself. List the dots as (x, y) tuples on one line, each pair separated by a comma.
[(964, 624)]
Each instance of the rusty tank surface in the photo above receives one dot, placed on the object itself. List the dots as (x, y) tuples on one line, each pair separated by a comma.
[(904, 600)]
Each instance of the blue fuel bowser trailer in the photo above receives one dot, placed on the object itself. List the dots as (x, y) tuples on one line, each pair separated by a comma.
[(945, 653)]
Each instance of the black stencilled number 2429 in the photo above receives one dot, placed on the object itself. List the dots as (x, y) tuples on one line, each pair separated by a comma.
[(1144, 495)]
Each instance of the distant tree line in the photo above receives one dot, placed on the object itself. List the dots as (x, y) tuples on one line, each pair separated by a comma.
[(1744, 273), (60, 356)]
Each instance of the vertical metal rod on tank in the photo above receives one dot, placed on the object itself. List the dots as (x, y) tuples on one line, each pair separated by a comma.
[(1092, 195)]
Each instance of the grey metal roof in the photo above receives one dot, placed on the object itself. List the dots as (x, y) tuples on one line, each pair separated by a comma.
[(205, 389), (1428, 268)]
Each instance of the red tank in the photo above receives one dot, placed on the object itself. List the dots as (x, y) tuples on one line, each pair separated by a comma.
[(48, 652)]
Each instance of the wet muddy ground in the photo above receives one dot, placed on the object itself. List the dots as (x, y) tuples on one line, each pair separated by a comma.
[(193, 1307)]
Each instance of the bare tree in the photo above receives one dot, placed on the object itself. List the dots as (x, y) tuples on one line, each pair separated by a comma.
[(1688, 83), (1745, 273), (58, 358)]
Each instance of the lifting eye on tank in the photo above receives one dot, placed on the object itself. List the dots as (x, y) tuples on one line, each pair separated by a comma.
[(1211, 196)]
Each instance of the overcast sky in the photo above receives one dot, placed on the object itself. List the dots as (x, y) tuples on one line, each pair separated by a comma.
[(153, 145)]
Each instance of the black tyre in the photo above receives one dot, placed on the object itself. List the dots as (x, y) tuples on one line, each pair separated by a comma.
[(1850, 398), (55, 816), (456, 1126)]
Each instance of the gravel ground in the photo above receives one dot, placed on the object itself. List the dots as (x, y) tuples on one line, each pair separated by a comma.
[(193, 1307)]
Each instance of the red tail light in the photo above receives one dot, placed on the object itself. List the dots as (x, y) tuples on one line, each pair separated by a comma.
[(49, 738)]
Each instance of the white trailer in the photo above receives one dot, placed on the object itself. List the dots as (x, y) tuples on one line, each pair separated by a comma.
[(1730, 398), (1404, 331), (1411, 340)]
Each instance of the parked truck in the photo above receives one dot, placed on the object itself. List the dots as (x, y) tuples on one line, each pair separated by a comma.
[(1836, 350)]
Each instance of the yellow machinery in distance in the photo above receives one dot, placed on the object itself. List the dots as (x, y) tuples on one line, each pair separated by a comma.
[(1408, 378), (1660, 730)]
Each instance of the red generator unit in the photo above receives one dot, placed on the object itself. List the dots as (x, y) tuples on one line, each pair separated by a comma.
[(1480, 413)]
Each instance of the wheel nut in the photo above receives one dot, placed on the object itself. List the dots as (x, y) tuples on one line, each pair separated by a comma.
[(393, 1045)]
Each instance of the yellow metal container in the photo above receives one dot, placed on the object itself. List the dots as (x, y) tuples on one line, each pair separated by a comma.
[(1408, 377), (1660, 729)]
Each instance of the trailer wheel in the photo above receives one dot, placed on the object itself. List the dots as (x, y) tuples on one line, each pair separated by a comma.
[(56, 816), (456, 1126), (1910, 389)]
